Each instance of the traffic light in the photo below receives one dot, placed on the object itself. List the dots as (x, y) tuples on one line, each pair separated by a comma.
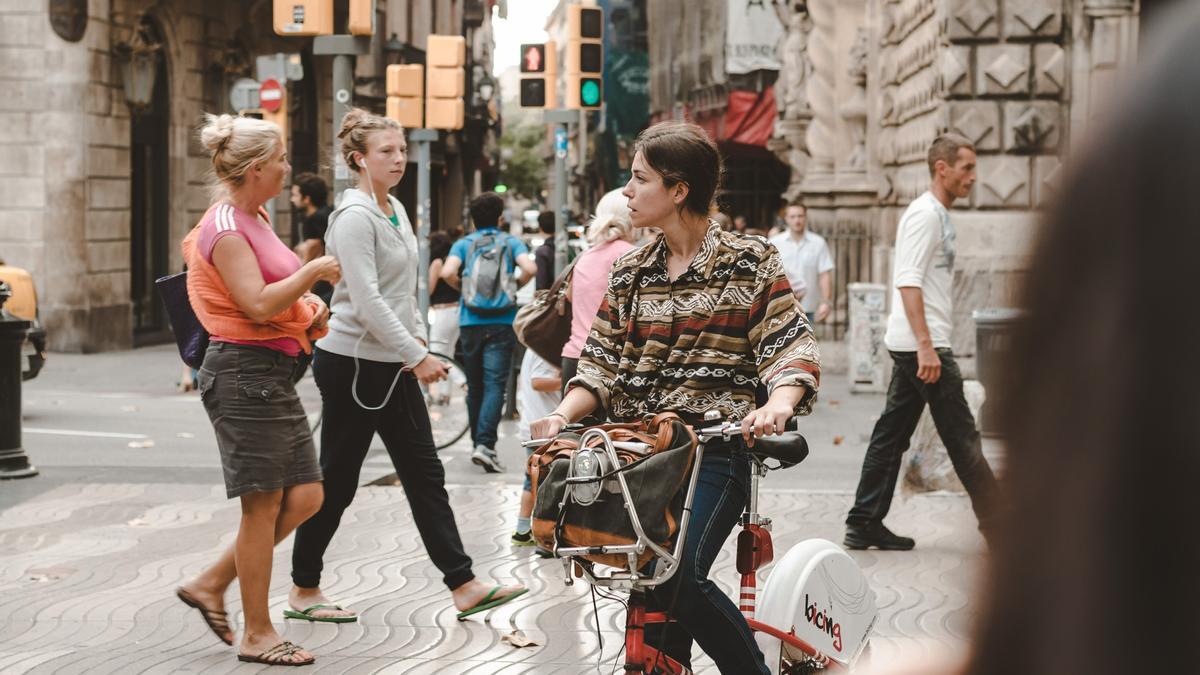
[(303, 17), (362, 18), (405, 94), (445, 81), (585, 57), (539, 75)]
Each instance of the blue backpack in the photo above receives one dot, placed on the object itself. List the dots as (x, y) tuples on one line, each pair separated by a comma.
[(488, 285)]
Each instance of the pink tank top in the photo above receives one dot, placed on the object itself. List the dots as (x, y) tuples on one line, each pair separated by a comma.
[(275, 260)]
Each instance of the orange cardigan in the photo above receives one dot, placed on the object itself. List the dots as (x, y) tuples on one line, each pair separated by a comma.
[(220, 315)]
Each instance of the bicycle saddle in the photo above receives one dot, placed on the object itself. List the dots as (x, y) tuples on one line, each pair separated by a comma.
[(789, 448)]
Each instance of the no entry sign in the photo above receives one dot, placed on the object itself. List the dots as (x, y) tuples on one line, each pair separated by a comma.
[(270, 95)]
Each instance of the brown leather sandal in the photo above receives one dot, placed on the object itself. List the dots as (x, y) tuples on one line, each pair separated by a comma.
[(277, 656), (217, 619)]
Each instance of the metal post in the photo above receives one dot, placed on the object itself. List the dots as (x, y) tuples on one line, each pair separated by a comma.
[(14, 463), (423, 138), (343, 49), (562, 121)]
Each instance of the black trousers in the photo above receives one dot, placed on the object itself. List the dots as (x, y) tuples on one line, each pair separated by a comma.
[(906, 400), (346, 432)]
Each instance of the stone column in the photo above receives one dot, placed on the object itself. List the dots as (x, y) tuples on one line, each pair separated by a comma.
[(820, 136), (794, 114)]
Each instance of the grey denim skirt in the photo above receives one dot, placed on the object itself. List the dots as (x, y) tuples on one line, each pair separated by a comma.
[(262, 431)]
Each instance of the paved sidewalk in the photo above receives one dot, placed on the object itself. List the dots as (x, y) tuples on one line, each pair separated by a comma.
[(87, 573)]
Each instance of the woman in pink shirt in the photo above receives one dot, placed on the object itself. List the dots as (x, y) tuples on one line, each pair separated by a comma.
[(611, 236)]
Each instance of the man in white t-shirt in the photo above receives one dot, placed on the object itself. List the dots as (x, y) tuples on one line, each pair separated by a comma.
[(807, 263), (539, 391), (924, 370)]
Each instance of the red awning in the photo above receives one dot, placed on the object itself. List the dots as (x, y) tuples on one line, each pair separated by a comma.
[(748, 118)]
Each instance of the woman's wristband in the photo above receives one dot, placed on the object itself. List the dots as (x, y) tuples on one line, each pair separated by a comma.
[(560, 416)]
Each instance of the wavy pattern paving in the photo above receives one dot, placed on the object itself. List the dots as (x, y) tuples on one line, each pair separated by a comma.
[(87, 575)]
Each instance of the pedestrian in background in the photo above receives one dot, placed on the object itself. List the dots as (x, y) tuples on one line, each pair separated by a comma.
[(492, 265), (310, 196), (544, 255), (924, 370), (369, 370), (539, 389), (610, 235), (808, 264), (443, 298), (251, 293)]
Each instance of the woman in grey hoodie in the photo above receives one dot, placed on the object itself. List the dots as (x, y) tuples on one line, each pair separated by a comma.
[(369, 369)]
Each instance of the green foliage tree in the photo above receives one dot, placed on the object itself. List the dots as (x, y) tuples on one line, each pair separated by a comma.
[(523, 168)]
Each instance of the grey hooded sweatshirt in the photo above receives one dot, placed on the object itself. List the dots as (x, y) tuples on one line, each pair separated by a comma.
[(376, 298)]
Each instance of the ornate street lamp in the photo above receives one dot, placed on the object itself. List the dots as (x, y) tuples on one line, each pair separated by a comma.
[(138, 59)]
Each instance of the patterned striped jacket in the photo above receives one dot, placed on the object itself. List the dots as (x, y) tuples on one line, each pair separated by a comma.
[(703, 342)]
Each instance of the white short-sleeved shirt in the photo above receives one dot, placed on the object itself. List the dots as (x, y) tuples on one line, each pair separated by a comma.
[(804, 260), (534, 405), (925, 260)]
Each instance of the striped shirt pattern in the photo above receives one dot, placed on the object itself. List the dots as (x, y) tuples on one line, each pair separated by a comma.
[(224, 217), (703, 342)]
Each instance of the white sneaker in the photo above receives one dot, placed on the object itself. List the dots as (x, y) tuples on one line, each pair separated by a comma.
[(486, 457)]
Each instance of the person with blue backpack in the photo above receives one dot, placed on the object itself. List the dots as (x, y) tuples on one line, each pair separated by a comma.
[(489, 265)]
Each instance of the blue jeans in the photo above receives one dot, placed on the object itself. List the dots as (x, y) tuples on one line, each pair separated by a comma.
[(487, 359), (702, 611)]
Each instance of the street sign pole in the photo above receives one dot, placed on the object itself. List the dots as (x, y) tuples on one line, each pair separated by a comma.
[(423, 138), (343, 49), (562, 121)]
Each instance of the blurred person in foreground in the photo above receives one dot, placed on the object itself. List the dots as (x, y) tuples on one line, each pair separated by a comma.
[(1093, 569)]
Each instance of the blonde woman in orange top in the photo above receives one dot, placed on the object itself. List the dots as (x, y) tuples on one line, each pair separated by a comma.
[(250, 292)]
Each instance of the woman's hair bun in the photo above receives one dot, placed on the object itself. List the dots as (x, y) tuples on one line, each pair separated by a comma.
[(217, 131), (352, 119)]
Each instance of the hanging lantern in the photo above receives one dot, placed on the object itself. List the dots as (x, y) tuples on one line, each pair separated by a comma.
[(138, 60)]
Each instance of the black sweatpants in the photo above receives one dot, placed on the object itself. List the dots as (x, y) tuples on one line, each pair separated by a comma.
[(346, 432)]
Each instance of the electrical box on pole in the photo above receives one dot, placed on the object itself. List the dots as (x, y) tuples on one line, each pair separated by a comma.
[(585, 57), (406, 94), (539, 75), (445, 81), (301, 18)]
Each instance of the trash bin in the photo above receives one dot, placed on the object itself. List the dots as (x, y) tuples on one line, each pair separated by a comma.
[(993, 341)]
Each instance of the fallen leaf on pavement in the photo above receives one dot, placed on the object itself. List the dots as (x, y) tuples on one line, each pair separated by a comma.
[(837, 440), (517, 639), (834, 402), (142, 444)]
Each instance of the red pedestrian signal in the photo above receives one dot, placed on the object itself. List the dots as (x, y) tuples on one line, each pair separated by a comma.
[(533, 58), (539, 75)]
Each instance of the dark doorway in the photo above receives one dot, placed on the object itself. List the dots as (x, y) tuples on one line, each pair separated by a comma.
[(150, 231), (754, 183)]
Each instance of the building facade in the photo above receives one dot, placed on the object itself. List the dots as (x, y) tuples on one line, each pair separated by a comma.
[(865, 86), (99, 191)]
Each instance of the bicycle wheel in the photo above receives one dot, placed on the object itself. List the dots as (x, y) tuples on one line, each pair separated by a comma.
[(447, 404)]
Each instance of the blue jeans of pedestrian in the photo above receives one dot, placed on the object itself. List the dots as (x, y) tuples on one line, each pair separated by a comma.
[(703, 612), (487, 359)]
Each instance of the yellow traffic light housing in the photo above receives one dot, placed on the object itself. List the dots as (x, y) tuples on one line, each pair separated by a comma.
[(300, 18), (585, 57), (406, 95), (539, 75), (445, 81)]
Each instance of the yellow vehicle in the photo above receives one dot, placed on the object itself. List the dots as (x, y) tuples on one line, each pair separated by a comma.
[(23, 305)]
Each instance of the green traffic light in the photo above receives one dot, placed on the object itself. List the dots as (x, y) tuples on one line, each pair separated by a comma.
[(500, 188), (589, 92)]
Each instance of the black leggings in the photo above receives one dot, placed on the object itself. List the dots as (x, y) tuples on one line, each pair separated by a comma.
[(346, 433)]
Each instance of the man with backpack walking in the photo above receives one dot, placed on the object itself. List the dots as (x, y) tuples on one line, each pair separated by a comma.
[(493, 264)]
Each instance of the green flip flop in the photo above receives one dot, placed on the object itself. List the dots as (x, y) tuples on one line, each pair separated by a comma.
[(307, 614), (489, 601)]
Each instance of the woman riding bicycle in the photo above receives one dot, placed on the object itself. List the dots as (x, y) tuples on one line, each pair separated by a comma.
[(693, 321)]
